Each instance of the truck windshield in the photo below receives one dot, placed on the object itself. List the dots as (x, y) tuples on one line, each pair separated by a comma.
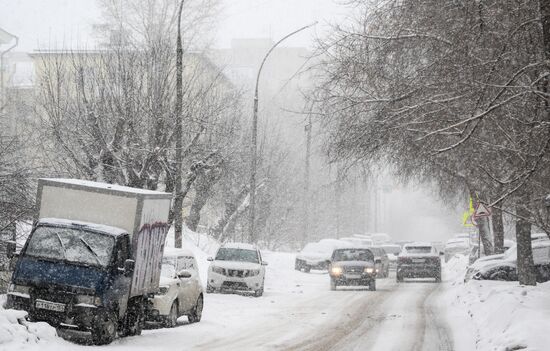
[(71, 244), (239, 255)]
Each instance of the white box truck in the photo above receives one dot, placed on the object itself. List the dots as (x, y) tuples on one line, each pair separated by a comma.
[(93, 257)]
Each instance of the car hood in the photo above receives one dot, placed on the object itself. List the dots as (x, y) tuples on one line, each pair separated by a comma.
[(236, 265)]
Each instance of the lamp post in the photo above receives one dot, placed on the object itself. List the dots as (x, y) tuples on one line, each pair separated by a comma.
[(254, 141)]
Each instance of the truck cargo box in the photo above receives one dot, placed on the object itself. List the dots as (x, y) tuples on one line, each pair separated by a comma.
[(142, 213)]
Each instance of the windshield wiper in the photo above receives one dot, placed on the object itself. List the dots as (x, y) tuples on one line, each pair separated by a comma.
[(91, 250), (62, 246)]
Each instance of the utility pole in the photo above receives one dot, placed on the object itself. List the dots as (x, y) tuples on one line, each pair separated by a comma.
[(178, 132), (254, 141), (305, 233)]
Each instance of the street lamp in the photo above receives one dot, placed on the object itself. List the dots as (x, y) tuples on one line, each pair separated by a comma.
[(253, 147)]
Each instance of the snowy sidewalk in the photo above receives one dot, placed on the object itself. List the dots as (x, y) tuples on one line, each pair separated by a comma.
[(499, 316)]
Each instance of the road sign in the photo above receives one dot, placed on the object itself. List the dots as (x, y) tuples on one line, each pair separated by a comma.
[(482, 210)]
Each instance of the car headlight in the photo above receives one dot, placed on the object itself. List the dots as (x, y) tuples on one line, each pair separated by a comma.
[(336, 270), (163, 290), (21, 289), (88, 299), (218, 270), (369, 270), (253, 272)]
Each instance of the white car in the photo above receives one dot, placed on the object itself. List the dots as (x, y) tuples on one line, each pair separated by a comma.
[(317, 255), (457, 246), (237, 267), (180, 289)]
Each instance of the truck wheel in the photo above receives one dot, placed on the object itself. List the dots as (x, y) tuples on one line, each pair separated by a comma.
[(196, 314), (209, 289), (332, 284), (372, 285), (307, 268), (104, 329), (172, 319), (135, 318)]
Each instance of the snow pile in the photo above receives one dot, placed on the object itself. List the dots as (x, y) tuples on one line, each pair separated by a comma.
[(503, 315), (15, 330)]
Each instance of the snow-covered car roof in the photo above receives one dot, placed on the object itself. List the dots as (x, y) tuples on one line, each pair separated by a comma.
[(172, 251), (115, 231), (457, 242), (243, 246)]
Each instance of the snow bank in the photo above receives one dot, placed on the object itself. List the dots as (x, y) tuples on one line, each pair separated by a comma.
[(16, 331), (502, 315)]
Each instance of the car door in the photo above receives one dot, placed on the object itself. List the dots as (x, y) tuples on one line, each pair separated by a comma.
[(187, 291)]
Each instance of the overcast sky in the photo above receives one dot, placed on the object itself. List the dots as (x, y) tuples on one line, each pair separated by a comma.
[(48, 23)]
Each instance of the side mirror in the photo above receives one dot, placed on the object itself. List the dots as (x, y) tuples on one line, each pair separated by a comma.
[(129, 266), (10, 249), (264, 263), (184, 274), (210, 259)]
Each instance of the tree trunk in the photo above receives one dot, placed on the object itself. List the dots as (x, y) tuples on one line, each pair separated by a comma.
[(498, 231), (201, 196), (485, 235), (526, 268)]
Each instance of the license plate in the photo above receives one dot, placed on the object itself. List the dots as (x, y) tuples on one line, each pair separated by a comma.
[(419, 260), (353, 276), (52, 306)]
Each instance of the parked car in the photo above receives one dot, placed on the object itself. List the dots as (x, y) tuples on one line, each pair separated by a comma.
[(392, 251), (381, 262), (504, 266), (380, 238), (237, 267), (476, 255), (180, 291), (418, 260), (456, 246), (317, 255), (358, 241), (352, 266)]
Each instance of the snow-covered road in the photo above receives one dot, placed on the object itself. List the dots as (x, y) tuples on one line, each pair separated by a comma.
[(299, 312)]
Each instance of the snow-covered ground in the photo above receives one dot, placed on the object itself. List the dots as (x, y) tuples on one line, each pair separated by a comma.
[(299, 312), (501, 316)]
